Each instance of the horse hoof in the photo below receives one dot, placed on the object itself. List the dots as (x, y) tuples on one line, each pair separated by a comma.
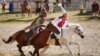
[(78, 54), (22, 55), (30, 52)]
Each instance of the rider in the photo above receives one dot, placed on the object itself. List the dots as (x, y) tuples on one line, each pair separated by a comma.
[(36, 26), (60, 22)]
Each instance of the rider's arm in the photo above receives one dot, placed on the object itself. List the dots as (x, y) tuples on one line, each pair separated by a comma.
[(26, 27), (55, 20), (29, 26)]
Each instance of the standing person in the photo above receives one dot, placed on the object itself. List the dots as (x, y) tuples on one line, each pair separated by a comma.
[(60, 22), (95, 8), (24, 5), (51, 7), (3, 5), (11, 6), (81, 7), (40, 7)]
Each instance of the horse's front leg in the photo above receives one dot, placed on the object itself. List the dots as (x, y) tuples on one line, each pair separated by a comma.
[(66, 43), (35, 52), (20, 50), (75, 43), (44, 49)]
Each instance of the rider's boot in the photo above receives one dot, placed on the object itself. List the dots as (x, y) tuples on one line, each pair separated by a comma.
[(29, 41), (57, 42)]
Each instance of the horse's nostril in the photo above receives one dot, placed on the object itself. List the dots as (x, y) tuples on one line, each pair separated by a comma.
[(82, 36)]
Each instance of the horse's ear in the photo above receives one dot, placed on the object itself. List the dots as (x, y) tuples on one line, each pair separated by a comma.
[(50, 21)]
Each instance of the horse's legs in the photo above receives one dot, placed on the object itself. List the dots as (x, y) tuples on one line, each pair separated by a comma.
[(36, 51), (32, 54), (44, 49), (65, 42), (78, 47), (69, 49), (20, 50)]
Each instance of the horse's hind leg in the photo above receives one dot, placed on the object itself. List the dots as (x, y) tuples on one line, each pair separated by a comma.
[(20, 50)]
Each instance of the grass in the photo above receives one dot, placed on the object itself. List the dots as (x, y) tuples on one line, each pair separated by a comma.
[(72, 14)]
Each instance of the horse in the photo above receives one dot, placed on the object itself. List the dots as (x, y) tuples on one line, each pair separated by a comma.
[(67, 37), (38, 42), (26, 8)]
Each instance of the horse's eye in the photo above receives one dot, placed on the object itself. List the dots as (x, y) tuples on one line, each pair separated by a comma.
[(78, 29)]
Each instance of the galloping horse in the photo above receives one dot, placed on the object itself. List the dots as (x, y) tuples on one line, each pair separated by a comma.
[(38, 42), (70, 33), (26, 8), (68, 37)]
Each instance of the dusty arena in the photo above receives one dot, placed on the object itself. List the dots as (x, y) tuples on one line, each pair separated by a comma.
[(89, 46)]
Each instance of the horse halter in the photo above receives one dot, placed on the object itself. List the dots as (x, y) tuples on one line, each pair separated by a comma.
[(79, 31)]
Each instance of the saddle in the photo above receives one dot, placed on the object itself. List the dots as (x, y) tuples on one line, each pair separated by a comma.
[(30, 32)]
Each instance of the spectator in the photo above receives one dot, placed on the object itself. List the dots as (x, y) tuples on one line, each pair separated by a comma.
[(11, 6), (81, 7), (3, 5), (95, 8)]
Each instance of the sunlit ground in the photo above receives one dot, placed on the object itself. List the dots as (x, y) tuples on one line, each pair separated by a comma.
[(90, 45)]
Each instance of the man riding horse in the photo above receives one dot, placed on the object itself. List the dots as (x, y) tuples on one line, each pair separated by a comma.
[(36, 26)]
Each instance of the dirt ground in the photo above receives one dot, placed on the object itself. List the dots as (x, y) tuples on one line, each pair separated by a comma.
[(90, 45)]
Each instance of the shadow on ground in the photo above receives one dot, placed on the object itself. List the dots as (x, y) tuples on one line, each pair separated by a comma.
[(91, 18)]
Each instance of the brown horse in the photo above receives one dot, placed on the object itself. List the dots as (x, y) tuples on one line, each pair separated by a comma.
[(26, 8), (38, 42)]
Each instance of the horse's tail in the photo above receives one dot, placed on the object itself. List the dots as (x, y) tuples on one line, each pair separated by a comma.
[(10, 40)]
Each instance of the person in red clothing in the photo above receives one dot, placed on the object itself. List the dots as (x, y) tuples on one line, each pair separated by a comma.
[(95, 8), (3, 6), (60, 22)]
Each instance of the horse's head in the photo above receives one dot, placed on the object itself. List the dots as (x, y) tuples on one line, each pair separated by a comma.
[(53, 28), (79, 30)]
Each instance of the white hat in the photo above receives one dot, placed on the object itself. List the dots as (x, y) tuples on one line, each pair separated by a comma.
[(63, 10)]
